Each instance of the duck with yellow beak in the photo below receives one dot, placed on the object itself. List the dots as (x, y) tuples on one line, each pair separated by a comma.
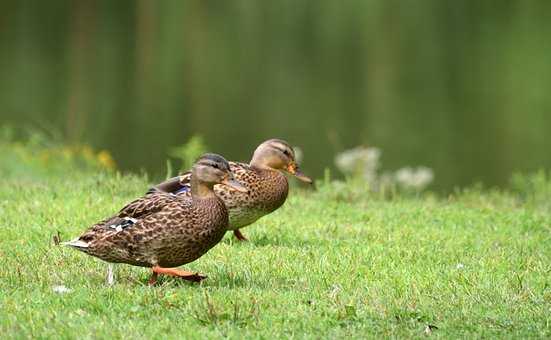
[(263, 177)]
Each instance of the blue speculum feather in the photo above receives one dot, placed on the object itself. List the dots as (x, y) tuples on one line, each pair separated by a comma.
[(182, 190)]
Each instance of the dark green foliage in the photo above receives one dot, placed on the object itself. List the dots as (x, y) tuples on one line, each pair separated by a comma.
[(461, 87)]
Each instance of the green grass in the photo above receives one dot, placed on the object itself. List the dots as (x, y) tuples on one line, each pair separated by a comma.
[(334, 263)]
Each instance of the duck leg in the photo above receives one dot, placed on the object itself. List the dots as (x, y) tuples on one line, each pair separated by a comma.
[(239, 236), (110, 279), (189, 276)]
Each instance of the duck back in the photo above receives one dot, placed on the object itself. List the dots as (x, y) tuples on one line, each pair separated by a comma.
[(178, 232)]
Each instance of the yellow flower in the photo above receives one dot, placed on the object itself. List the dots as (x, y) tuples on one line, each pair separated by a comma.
[(106, 160)]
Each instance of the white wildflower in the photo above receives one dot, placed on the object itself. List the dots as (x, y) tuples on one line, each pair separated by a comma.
[(361, 161), (61, 289), (460, 266), (417, 179)]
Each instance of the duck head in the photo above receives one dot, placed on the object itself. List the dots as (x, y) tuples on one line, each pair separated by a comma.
[(209, 170), (277, 154)]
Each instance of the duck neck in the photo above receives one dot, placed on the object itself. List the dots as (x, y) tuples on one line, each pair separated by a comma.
[(262, 168), (267, 172), (201, 189), (259, 163), (275, 187)]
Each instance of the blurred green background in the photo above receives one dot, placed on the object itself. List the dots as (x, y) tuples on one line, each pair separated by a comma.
[(460, 86)]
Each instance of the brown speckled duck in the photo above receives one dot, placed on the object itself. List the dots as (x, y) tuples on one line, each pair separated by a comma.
[(162, 230), (263, 176)]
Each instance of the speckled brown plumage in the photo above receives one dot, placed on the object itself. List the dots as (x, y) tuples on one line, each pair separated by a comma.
[(268, 191), (170, 231), (163, 230), (268, 186)]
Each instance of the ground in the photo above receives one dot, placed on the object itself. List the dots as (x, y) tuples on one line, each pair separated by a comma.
[(333, 263)]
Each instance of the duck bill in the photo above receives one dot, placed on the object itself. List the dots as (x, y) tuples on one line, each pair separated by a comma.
[(232, 183), (295, 171)]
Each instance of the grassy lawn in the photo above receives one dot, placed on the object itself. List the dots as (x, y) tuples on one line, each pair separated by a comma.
[(332, 263)]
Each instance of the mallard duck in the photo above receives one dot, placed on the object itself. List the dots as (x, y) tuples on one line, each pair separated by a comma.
[(162, 230), (263, 176)]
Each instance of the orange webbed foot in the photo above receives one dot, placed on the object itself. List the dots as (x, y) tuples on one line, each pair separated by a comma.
[(183, 274)]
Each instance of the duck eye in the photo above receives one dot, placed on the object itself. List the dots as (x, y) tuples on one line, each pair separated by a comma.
[(287, 153), (214, 165)]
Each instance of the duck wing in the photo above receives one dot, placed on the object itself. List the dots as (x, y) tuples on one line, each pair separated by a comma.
[(132, 213), (171, 185), (181, 185)]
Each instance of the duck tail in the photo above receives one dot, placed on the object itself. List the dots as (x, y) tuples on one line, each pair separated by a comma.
[(77, 243)]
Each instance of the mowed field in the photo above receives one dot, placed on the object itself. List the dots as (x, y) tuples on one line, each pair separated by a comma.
[(336, 262)]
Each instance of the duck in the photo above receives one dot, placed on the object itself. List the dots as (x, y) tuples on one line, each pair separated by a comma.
[(264, 178), (163, 231)]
